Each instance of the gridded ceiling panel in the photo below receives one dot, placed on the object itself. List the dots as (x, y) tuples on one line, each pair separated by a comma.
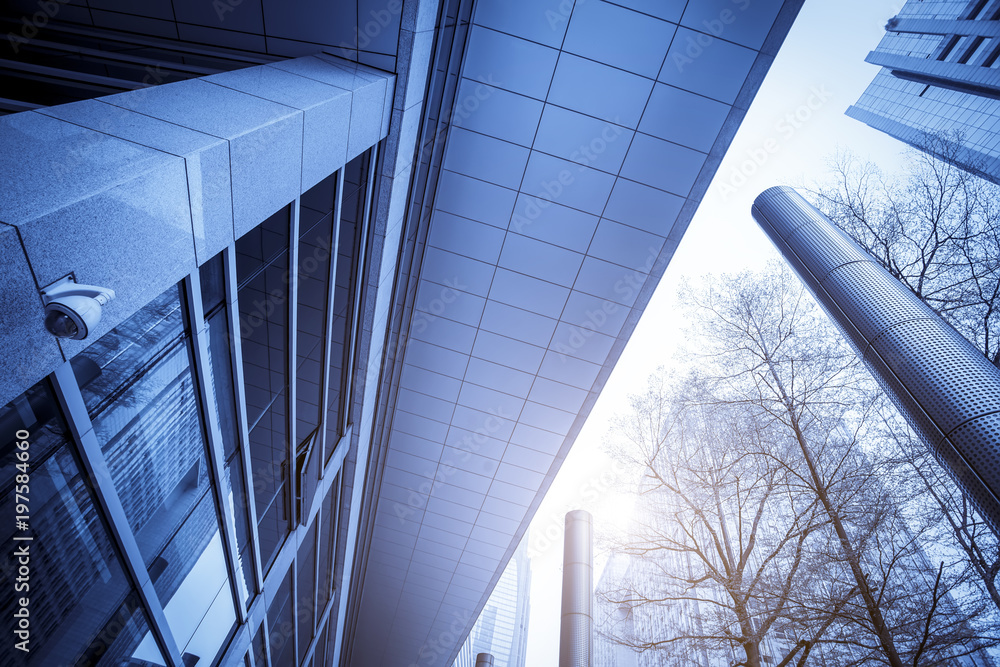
[(579, 147)]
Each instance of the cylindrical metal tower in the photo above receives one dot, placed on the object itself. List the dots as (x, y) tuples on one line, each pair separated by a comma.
[(577, 626), (484, 660), (944, 387)]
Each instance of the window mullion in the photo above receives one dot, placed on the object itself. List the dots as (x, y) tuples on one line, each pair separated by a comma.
[(109, 504)]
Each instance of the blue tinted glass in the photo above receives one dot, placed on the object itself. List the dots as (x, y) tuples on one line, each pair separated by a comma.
[(213, 284), (269, 457), (74, 579), (272, 526), (106, 365), (305, 598), (281, 627), (262, 273), (192, 582), (349, 241), (225, 405), (221, 374), (258, 647), (315, 245), (148, 424), (233, 480)]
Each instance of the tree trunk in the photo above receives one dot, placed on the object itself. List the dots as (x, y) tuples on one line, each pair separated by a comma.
[(874, 613), (751, 647)]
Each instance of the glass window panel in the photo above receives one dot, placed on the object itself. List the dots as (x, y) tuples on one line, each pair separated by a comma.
[(328, 543), (106, 365), (233, 479), (264, 330), (272, 526), (281, 631), (306, 599), (320, 197), (221, 374), (234, 660), (331, 641), (213, 284), (319, 655), (262, 245), (192, 582), (315, 243), (83, 610), (148, 423), (258, 647), (262, 274), (349, 241), (225, 405)]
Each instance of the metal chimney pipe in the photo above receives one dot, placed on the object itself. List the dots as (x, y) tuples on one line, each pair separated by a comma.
[(484, 660), (577, 624), (944, 387)]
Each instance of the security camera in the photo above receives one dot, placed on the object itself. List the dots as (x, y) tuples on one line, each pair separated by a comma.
[(73, 310)]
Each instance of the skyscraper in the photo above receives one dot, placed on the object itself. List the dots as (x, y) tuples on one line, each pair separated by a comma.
[(940, 76), (502, 628), (372, 263)]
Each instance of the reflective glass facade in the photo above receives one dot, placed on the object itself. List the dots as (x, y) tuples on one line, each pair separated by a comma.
[(502, 628), (173, 404), (84, 606), (941, 76)]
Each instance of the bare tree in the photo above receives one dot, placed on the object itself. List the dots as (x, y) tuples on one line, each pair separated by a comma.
[(936, 229), (717, 551), (774, 353), (932, 495), (798, 414)]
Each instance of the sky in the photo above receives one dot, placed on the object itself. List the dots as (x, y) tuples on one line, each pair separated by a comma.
[(795, 124)]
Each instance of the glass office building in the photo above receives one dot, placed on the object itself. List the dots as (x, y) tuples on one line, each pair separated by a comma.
[(941, 76), (502, 628), (373, 263)]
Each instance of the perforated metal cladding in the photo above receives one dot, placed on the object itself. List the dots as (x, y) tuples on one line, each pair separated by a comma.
[(853, 336), (577, 625), (979, 442), (778, 210), (575, 642), (823, 247), (580, 577), (578, 539), (869, 302), (797, 265), (939, 381), (934, 362), (919, 420)]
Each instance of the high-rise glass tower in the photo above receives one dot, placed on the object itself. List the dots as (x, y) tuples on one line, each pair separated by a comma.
[(940, 76), (502, 628)]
